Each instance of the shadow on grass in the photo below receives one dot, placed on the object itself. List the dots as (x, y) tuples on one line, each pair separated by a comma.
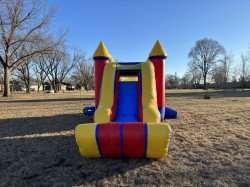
[(41, 125), (45, 161), (212, 94)]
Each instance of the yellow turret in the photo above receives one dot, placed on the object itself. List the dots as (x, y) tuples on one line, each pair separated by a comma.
[(157, 51), (158, 56), (102, 52)]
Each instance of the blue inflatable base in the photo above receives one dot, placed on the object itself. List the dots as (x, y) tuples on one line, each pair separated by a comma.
[(89, 110), (170, 113)]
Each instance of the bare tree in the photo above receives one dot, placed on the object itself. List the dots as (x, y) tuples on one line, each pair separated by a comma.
[(172, 80), (24, 74), (84, 75), (40, 72), (244, 68), (204, 55), (218, 76), (23, 71), (235, 73), (226, 63), (21, 22), (186, 81), (176, 80), (58, 64), (196, 75)]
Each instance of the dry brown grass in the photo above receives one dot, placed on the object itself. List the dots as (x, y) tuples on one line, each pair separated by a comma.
[(210, 145)]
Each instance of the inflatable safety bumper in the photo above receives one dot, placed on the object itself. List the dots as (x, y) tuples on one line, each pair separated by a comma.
[(115, 139)]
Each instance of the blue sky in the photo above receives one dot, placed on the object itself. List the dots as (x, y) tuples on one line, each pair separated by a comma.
[(130, 28)]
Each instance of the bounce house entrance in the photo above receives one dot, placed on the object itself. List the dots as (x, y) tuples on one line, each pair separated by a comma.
[(128, 98)]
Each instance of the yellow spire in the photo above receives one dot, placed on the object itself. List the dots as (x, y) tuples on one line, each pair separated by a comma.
[(158, 50), (111, 58), (102, 51)]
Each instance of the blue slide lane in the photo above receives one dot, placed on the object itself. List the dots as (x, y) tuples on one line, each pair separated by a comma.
[(127, 106)]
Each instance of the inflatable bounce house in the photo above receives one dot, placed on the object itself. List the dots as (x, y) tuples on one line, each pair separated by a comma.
[(129, 108)]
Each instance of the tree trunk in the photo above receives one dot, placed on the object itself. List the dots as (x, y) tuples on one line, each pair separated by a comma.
[(43, 86), (225, 83), (28, 89), (6, 82), (28, 86), (54, 87), (57, 88), (38, 86), (28, 79), (86, 87), (205, 82)]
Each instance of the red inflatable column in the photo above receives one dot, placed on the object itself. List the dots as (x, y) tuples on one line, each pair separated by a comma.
[(101, 58), (158, 57)]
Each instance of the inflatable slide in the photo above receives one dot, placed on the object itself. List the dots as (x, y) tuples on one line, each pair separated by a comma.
[(129, 108)]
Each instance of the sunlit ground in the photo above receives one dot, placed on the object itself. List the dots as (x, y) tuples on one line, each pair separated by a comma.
[(210, 143)]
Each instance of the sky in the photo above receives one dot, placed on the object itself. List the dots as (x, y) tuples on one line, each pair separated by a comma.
[(129, 28)]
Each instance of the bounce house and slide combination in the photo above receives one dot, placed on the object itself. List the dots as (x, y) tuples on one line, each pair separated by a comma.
[(129, 108)]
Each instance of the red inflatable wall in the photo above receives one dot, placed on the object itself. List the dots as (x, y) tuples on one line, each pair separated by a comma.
[(99, 67), (159, 65)]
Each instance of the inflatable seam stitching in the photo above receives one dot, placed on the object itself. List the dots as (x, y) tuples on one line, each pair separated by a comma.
[(145, 139), (97, 139), (121, 139)]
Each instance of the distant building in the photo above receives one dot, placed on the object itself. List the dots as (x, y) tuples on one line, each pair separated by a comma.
[(66, 86), (34, 87), (62, 86), (19, 86)]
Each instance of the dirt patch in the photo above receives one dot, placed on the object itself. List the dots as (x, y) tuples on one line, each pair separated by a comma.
[(210, 143)]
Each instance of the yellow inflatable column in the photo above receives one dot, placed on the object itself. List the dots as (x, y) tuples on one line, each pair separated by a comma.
[(149, 101), (86, 139), (103, 112), (158, 140)]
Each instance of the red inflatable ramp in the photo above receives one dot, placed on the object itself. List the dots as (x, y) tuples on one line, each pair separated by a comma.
[(122, 139), (109, 140), (134, 139)]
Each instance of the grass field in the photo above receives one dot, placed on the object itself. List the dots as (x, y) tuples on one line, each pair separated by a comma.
[(210, 145)]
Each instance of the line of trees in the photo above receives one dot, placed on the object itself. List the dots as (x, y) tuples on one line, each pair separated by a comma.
[(23, 33), (84, 75), (210, 64), (30, 51)]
